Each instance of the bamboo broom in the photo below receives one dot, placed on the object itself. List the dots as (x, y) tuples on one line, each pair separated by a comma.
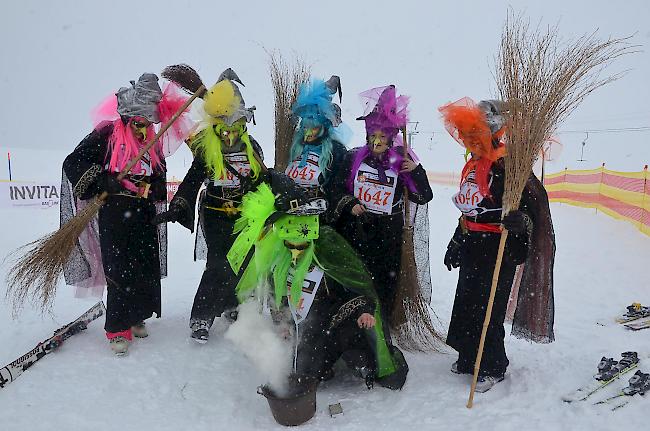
[(37, 271), (410, 317), (189, 79), (542, 80), (286, 80)]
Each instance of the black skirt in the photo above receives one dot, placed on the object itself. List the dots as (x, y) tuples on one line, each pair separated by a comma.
[(130, 257)]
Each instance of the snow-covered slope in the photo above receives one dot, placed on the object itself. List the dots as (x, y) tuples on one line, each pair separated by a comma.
[(169, 383)]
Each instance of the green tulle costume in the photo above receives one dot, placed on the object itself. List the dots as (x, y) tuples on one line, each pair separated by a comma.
[(272, 259)]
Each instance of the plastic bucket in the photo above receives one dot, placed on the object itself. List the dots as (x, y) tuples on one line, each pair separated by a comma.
[(297, 406)]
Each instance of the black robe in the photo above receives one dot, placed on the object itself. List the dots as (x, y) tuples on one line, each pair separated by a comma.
[(377, 238), (478, 252), (216, 291), (131, 251), (331, 331)]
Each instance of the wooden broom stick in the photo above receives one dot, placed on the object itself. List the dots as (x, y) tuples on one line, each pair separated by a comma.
[(488, 315), (407, 207)]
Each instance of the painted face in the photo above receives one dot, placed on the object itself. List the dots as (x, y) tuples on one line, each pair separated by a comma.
[(472, 143), (313, 133), (139, 126), (378, 141), (230, 134), (296, 249)]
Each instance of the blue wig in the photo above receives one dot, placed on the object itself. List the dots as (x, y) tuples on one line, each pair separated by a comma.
[(315, 108), (315, 101)]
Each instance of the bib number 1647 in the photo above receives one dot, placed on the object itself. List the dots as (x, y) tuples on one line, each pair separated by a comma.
[(379, 197)]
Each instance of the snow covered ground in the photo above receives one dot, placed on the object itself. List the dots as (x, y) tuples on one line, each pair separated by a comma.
[(168, 382)]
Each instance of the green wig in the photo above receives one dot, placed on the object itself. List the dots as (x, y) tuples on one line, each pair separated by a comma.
[(207, 144)]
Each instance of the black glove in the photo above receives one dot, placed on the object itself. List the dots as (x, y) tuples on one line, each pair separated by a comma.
[(287, 189), (108, 183), (515, 222), (452, 256), (173, 214)]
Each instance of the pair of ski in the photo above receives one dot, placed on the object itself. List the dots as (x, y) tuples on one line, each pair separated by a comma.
[(11, 371), (609, 371), (636, 318), (639, 383)]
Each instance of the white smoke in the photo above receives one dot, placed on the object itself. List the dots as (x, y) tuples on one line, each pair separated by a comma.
[(254, 334)]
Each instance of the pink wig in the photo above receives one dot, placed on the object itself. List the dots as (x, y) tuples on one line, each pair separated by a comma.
[(172, 100), (123, 145)]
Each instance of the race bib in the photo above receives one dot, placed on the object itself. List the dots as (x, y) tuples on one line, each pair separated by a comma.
[(376, 196), (307, 176), (310, 286), (468, 199), (239, 161), (143, 167)]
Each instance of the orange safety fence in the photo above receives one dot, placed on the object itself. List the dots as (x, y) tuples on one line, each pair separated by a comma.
[(622, 195)]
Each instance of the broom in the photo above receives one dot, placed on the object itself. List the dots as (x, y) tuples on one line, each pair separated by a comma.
[(410, 318), (186, 77), (190, 80), (542, 81), (286, 80), (36, 273)]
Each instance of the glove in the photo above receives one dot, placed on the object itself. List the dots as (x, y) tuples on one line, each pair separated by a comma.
[(452, 256), (173, 214), (515, 222), (287, 189), (108, 183)]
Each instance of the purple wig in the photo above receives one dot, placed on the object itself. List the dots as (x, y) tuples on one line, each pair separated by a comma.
[(385, 111)]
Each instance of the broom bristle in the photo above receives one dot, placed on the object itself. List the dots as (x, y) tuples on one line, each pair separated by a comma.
[(36, 272), (286, 80), (185, 76), (543, 80), (411, 320)]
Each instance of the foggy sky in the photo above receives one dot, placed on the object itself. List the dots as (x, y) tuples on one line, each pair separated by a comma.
[(61, 58)]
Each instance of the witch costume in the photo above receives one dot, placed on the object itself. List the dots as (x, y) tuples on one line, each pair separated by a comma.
[(121, 248), (317, 275), (376, 182), (473, 247), (319, 140), (228, 161)]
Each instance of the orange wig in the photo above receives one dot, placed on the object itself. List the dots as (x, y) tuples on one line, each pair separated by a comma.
[(467, 124)]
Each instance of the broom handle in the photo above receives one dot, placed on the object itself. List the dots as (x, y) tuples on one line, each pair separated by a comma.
[(260, 161), (407, 207), (156, 138), (488, 315)]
